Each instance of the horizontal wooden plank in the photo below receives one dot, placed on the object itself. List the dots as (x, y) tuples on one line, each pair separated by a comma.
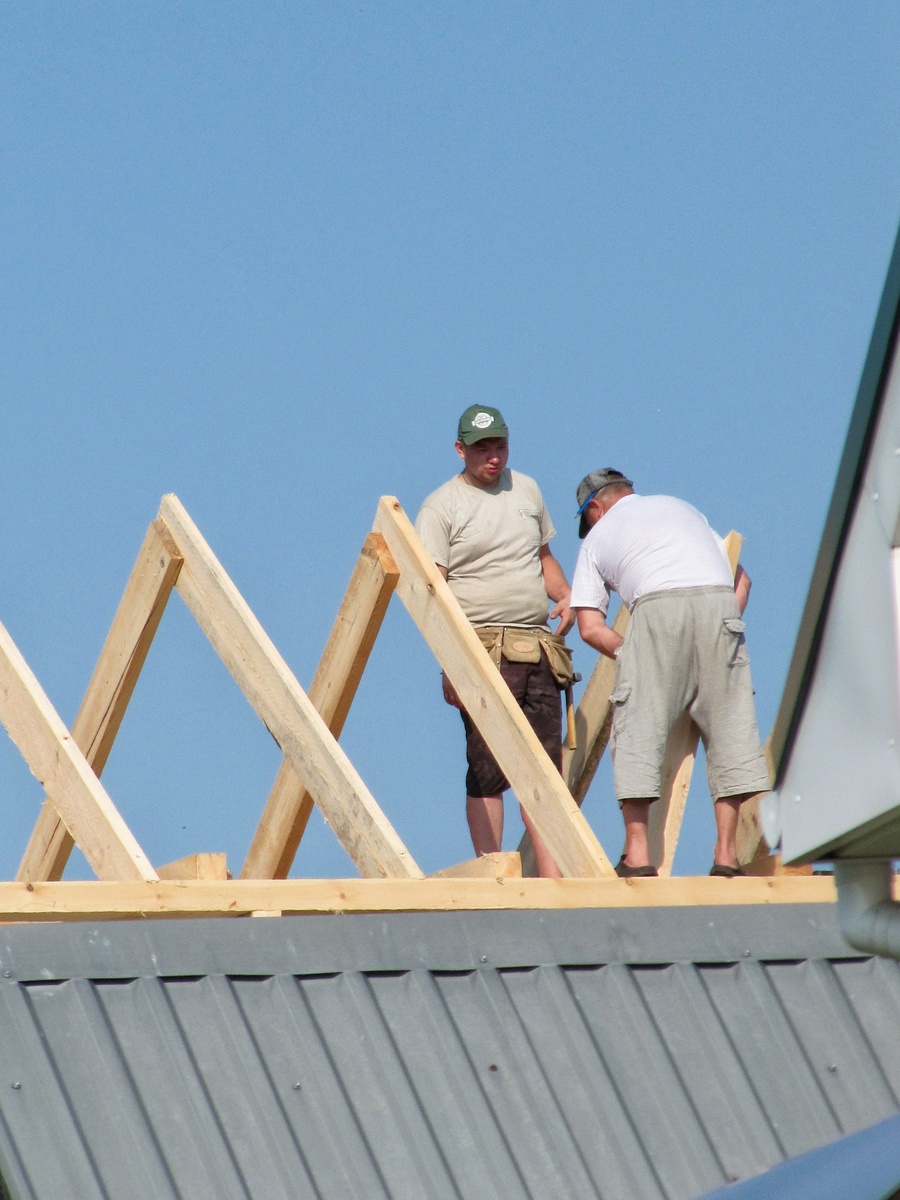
[(60, 901)]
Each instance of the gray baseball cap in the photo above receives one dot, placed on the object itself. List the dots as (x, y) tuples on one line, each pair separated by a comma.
[(591, 485), (479, 422)]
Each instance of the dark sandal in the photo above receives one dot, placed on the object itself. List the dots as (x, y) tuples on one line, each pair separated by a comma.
[(725, 872), (625, 872)]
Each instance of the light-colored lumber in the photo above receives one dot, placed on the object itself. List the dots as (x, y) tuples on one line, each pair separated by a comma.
[(593, 725), (110, 689), (593, 720), (536, 782), (334, 685), (243, 897), (506, 864), (264, 678), (196, 866), (56, 762), (667, 813), (752, 850)]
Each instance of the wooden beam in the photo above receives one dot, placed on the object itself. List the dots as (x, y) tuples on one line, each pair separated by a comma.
[(593, 725), (536, 782), (667, 813), (61, 768), (110, 689), (196, 866), (73, 901), (264, 678), (593, 720), (503, 865), (332, 690)]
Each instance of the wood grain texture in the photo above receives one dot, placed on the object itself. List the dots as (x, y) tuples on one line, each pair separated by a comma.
[(55, 901), (285, 709), (62, 770), (536, 782), (332, 690), (110, 689)]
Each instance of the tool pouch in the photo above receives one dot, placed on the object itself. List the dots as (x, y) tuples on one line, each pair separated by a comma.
[(526, 646), (559, 656)]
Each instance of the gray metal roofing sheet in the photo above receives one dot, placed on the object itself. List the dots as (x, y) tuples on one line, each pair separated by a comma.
[(857, 447), (634, 1054)]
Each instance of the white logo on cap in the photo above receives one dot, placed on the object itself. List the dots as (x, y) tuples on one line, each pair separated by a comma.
[(482, 420)]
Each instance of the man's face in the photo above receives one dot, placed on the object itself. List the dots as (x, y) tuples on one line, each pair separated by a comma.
[(485, 460), (593, 512)]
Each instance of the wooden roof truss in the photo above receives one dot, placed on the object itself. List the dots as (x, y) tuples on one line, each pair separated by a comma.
[(315, 769)]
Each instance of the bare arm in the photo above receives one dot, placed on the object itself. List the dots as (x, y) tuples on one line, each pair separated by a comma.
[(557, 588), (594, 630), (742, 584)]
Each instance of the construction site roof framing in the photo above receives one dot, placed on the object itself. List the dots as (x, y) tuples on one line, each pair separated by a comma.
[(316, 770)]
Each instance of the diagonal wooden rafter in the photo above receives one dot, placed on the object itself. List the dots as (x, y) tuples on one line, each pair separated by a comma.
[(56, 761), (332, 690), (109, 691), (593, 725), (536, 782), (267, 683)]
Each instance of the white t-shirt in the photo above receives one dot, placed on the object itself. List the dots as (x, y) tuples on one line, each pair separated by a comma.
[(489, 539), (648, 544)]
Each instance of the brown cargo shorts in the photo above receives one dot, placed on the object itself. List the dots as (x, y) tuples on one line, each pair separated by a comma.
[(536, 693)]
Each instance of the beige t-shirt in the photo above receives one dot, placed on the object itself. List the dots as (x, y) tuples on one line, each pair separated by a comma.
[(489, 540)]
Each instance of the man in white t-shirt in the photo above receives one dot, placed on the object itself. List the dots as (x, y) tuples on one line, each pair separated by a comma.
[(488, 532), (683, 651)]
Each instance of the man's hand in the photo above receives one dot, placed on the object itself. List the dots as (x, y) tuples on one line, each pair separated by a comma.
[(450, 692), (566, 616), (557, 588), (594, 630)]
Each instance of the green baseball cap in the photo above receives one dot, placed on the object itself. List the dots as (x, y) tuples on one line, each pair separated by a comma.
[(479, 422)]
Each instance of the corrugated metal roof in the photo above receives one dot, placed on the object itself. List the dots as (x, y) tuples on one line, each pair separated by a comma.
[(632, 1054)]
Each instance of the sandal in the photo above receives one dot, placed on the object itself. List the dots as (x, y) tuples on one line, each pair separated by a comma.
[(726, 872), (625, 872)]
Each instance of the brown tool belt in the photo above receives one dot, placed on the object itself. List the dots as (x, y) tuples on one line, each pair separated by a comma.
[(525, 645)]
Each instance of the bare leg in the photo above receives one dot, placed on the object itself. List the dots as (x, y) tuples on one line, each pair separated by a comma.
[(636, 815), (727, 812), (485, 817), (546, 865)]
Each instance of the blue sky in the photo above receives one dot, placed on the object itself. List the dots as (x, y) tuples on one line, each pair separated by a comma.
[(262, 256)]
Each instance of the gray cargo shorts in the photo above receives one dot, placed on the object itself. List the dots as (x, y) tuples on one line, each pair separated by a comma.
[(684, 651)]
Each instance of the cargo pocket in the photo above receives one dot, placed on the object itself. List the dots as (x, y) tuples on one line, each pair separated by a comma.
[(617, 700), (737, 652)]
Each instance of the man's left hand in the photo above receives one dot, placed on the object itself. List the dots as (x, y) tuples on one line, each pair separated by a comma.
[(565, 614)]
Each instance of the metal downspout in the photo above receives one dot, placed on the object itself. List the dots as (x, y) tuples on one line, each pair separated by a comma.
[(868, 915)]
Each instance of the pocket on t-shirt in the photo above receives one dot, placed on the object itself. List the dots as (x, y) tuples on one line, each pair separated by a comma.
[(532, 521)]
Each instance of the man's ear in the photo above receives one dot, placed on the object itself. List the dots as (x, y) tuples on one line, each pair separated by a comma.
[(460, 450)]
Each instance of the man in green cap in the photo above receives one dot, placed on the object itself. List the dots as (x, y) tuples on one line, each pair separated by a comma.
[(488, 532)]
